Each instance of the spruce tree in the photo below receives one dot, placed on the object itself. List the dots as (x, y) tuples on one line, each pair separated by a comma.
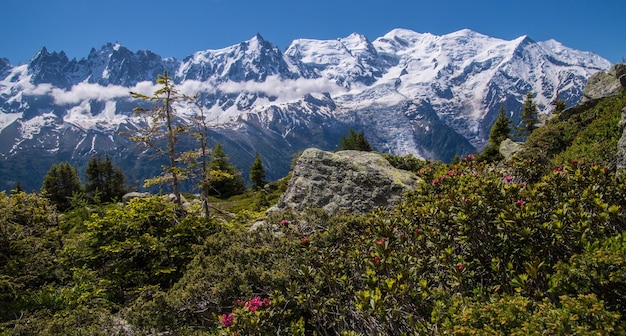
[(500, 131), (529, 116), (104, 180), (354, 141), (257, 173), (225, 178), (60, 183)]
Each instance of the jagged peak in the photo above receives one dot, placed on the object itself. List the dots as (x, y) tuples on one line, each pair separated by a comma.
[(258, 37), (43, 54)]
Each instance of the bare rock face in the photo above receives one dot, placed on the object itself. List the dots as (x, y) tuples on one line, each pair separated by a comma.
[(605, 84), (348, 180)]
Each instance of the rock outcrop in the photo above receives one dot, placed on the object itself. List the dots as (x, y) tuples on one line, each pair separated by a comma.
[(347, 180), (605, 84), (509, 147)]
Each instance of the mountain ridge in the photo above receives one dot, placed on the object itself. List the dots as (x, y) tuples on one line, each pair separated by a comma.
[(412, 93)]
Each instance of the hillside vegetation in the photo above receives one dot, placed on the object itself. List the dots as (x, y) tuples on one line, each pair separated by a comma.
[(531, 245)]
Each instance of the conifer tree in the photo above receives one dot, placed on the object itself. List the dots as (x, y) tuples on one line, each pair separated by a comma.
[(257, 173), (60, 183), (225, 179), (559, 106), (528, 116), (354, 141), (160, 125), (104, 179), (500, 131)]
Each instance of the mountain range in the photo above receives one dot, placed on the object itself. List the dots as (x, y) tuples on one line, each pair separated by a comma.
[(410, 93)]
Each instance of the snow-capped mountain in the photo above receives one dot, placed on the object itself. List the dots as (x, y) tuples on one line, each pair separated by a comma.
[(411, 93)]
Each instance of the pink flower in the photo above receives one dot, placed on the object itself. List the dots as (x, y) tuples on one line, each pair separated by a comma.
[(228, 320), (451, 173), (381, 241), (284, 222), (304, 240), (435, 182), (460, 266), (508, 178), (266, 302), (418, 230), (254, 303), (376, 259), (520, 202), (470, 157), (522, 185)]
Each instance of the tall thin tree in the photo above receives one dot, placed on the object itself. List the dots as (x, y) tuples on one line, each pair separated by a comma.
[(160, 123)]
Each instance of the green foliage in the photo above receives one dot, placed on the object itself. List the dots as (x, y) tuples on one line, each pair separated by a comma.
[(225, 180), (599, 270), (500, 131), (143, 244), (29, 240), (257, 173), (354, 141), (579, 134), (60, 183), (104, 181), (528, 116), (519, 315)]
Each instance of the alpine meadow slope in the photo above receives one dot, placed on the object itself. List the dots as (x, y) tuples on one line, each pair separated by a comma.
[(411, 93)]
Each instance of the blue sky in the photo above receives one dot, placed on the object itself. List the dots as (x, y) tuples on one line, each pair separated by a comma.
[(179, 28)]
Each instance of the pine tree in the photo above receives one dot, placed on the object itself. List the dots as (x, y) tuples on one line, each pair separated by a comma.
[(354, 141), (104, 180), (528, 116), (257, 173), (225, 179), (60, 183)]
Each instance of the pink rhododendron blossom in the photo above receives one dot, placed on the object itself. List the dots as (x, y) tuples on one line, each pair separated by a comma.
[(284, 222), (508, 178), (381, 241), (520, 202), (228, 320)]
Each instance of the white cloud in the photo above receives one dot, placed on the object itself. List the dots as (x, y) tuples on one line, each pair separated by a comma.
[(286, 90)]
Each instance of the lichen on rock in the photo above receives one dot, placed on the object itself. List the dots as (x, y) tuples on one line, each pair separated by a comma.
[(351, 181)]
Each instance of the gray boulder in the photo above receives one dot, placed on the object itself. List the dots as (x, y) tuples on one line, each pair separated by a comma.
[(605, 84), (351, 181), (509, 147), (128, 196)]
